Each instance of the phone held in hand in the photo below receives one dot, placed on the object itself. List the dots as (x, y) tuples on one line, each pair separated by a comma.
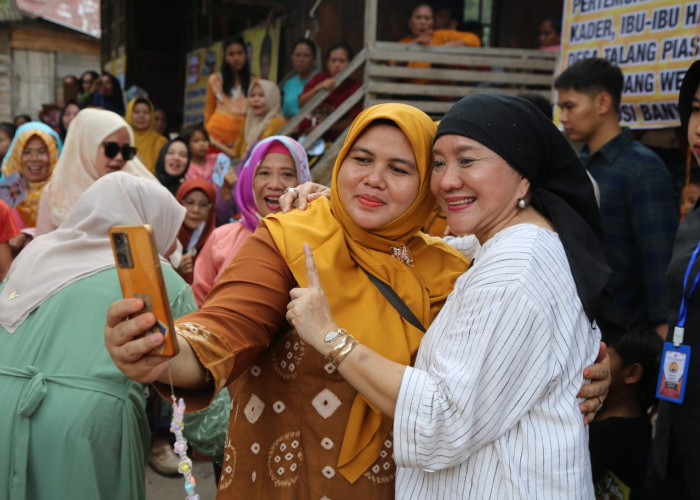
[(140, 276)]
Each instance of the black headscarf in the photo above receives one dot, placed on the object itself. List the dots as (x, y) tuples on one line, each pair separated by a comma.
[(559, 185), (689, 86), (172, 182)]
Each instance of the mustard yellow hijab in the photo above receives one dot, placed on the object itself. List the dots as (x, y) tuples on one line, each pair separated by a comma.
[(148, 142), (29, 207), (342, 249)]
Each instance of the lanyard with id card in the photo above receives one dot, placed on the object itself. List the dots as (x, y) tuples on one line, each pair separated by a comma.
[(675, 358)]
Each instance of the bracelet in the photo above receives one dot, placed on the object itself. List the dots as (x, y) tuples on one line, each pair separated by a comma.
[(338, 347), (342, 354)]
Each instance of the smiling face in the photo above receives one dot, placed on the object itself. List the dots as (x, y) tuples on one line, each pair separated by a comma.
[(198, 206), (421, 20), (141, 116), (378, 180), (337, 61), (477, 188), (257, 101), (70, 112), (104, 165), (235, 56), (176, 159), (303, 58), (35, 160), (275, 173)]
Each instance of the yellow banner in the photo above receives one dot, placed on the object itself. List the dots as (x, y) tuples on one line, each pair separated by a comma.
[(652, 41)]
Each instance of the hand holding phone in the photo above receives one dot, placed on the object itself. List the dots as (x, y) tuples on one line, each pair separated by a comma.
[(140, 276)]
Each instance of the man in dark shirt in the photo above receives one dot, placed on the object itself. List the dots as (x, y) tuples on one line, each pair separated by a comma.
[(636, 197)]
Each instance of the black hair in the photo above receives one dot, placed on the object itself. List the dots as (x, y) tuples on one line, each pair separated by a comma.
[(94, 74), (24, 117), (421, 4), (383, 121), (188, 131), (340, 45), (62, 131), (555, 23), (8, 128), (641, 344), (540, 102), (311, 45), (227, 73), (593, 76)]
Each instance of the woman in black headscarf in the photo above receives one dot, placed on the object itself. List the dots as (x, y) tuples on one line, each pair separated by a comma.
[(171, 165), (489, 409), (677, 438)]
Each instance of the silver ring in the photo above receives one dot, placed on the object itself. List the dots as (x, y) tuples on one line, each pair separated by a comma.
[(291, 189)]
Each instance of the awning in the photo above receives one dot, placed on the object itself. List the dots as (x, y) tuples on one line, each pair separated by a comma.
[(78, 15)]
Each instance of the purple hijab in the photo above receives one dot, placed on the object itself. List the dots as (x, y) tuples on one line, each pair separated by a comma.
[(244, 187)]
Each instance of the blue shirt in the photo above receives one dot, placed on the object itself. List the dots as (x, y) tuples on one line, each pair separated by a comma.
[(640, 219), (291, 90)]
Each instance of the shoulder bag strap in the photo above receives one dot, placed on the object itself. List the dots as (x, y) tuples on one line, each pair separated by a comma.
[(395, 300)]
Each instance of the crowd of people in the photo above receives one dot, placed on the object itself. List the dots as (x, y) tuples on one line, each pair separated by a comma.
[(361, 355)]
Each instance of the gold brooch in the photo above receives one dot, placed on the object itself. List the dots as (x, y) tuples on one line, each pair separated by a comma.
[(401, 254), (13, 296)]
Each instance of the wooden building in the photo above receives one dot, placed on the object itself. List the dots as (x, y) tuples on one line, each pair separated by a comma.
[(152, 37), (36, 52)]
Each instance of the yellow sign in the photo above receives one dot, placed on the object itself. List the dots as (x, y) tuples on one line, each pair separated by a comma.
[(653, 43), (117, 67)]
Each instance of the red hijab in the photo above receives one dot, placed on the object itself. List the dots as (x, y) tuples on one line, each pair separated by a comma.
[(185, 233)]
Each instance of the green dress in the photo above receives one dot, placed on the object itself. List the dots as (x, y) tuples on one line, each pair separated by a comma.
[(72, 425)]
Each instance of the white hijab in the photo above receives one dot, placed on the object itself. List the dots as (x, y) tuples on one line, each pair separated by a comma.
[(80, 247), (76, 170)]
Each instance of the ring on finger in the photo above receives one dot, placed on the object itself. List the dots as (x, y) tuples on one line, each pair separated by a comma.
[(291, 189), (601, 403)]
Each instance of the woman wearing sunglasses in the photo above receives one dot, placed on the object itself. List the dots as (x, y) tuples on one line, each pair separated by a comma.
[(99, 142)]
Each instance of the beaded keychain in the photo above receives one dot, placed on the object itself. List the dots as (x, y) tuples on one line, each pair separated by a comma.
[(184, 467)]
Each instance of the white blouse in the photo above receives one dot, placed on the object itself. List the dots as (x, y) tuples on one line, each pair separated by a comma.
[(490, 408)]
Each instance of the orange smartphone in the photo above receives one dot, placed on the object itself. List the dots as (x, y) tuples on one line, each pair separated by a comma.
[(140, 276)]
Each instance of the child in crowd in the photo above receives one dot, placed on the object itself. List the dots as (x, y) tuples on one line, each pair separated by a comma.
[(690, 193), (202, 163), (620, 436)]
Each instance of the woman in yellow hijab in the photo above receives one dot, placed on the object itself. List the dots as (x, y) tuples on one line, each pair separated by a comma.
[(300, 430), (33, 154), (140, 114)]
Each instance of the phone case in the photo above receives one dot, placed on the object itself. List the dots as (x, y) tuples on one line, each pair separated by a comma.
[(140, 276)]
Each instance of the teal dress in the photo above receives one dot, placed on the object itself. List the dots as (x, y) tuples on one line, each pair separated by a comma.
[(72, 425)]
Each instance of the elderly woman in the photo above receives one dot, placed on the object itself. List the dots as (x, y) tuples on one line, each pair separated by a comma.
[(99, 142), (73, 422), (489, 410), (677, 439)]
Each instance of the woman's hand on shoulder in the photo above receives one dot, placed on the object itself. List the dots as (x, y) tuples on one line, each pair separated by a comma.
[(127, 344), (596, 390), (299, 196)]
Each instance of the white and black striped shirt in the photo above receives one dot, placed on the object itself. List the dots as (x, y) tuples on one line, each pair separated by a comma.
[(490, 408)]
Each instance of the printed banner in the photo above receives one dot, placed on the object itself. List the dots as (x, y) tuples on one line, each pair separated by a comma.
[(652, 41)]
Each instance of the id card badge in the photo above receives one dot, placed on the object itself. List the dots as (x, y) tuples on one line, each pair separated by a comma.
[(673, 373)]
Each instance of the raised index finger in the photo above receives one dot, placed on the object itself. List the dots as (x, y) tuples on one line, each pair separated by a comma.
[(312, 278)]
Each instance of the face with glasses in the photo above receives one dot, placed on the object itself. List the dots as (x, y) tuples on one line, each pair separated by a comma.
[(35, 160), (105, 162), (198, 206)]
